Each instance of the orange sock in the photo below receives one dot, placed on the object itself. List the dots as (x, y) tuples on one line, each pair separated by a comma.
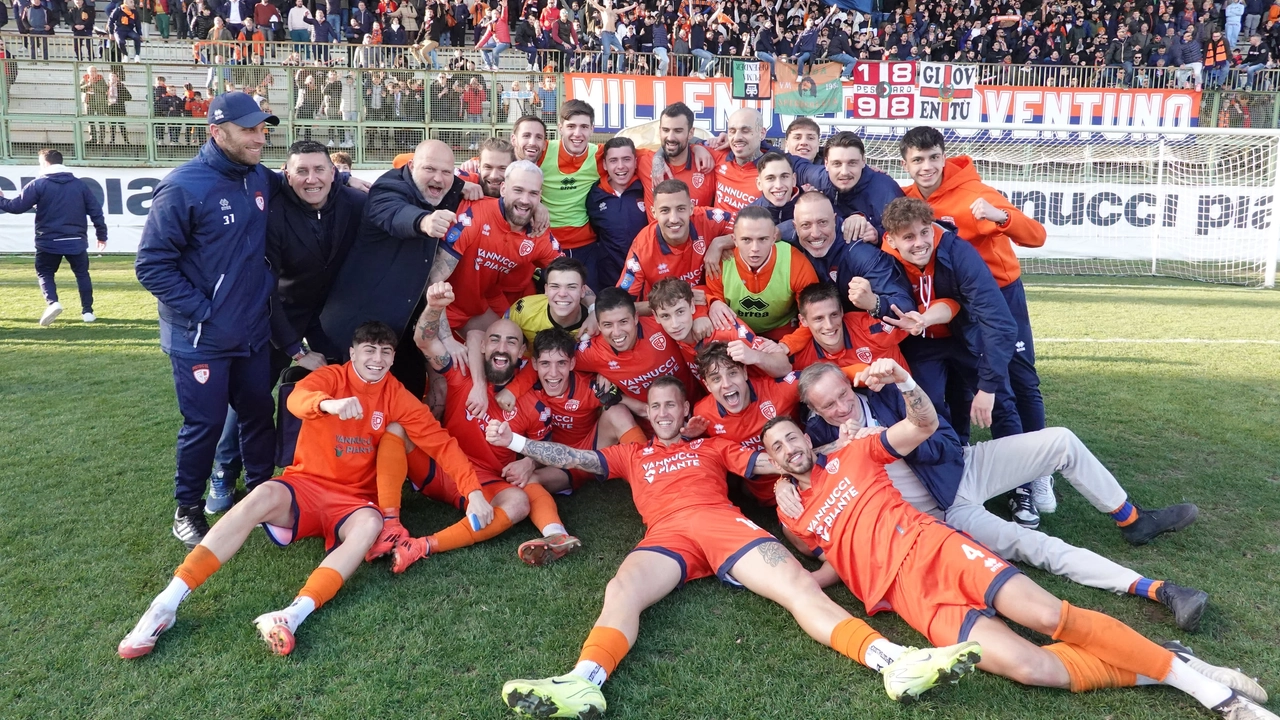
[(321, 586), (460, 534), (634, 435), (1087, 671), (852, 637), (606, 647), (1112, 642), (422, 468), (542, 507), (392, 469), (199, 564)]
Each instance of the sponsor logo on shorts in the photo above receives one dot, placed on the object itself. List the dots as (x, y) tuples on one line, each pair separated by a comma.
[(200, 373)]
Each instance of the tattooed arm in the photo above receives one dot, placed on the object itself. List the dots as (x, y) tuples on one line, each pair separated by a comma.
[(441, 268), (546, 453), (426, 334), (921, 420)]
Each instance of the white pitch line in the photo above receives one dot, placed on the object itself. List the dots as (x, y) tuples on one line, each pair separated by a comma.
[(1207, 288), (1160, 341)]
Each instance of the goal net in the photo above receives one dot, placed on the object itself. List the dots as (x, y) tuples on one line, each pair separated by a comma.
[(1194, 203)]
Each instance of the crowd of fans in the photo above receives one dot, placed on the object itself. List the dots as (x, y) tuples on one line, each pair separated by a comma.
[(1197, 41)]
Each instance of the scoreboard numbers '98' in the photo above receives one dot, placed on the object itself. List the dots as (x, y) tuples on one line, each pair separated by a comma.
[(882, 90)]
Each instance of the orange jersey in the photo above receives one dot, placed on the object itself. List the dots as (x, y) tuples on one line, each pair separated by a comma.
[(488, 250), (854, 515), (573, 414), (865, 339), (653, 355), (342, 454), (689, 350), (961, 186), (735, 184), (529, 419), (667, 479), (770, 398), (652, 258), (702, 186)]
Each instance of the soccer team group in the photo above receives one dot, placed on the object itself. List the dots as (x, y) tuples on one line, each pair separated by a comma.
[(719, 315)]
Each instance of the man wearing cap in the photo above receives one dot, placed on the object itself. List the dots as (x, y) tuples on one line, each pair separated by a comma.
[(203, 255)]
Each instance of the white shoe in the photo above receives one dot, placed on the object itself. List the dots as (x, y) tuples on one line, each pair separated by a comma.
[(50, 314), (1042, 495), (1239, 707), (276, 629), (88, 317), (1234, 679), (142, 639)]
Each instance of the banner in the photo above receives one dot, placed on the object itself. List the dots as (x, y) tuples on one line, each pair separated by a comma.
[(947, 92), (817, 93), (882, 91), (125, 194), (1095, 107), (751, 80)]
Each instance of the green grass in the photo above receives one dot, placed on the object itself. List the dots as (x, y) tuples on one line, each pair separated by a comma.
[(88, 421)]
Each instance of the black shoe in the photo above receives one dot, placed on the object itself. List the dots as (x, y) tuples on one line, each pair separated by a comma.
[(189, 525), (1186, 603), (1151, 523), (1023, 508)]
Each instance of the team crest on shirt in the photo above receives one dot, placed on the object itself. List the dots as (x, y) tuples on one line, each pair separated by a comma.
[(484, 229), (200, 373), (526, 248), (377, 420), (833, 273), (698, 179), (639, 204), (508, 415), (768, 410), (699, 247), (864, 355), (694, 445), (659, 341), (833, 465), (261, 201), (571, 405)]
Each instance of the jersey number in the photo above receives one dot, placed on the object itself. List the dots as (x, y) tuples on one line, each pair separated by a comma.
[(989, 563), (228, 219)]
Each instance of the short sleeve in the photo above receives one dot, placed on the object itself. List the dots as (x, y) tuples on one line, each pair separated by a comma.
[(615, 460)]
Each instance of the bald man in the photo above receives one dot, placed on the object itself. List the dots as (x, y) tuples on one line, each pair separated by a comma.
[(398, 253), (736, 170)]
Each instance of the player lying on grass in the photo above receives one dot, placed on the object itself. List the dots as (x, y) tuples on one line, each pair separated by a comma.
[(694, 531), (348, 411), (950, 587), (946, 478), (504, 477)]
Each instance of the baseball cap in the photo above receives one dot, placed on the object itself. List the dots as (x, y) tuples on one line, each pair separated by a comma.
[(239, 108)]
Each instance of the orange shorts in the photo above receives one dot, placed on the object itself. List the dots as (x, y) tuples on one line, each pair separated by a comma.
[(705, 541), (946, 582), (317, 512), (438, 486)]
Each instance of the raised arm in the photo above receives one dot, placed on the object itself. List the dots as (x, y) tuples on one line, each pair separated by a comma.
[(426, 334), (921, 421), (547, 453)]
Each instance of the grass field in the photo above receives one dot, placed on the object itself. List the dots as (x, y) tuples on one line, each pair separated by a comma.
[(88, 424)]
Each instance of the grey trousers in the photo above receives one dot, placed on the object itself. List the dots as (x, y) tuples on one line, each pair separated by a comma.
[(996, 467)]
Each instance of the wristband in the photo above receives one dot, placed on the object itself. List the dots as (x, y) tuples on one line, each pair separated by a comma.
[(907, 386), (591, 308), (517, 443)]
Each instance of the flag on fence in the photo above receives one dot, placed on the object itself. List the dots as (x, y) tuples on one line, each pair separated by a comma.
[(817, 93), (751, 80)]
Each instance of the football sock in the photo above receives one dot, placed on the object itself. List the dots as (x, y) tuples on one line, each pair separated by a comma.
[(393, 466), (860, 642), (173, 594), (421, 467), (1125, 515), (554, 529), (199, 564), (1112, 642), (542, 508), (1087, 672), (1147, 588), (634, 435), (300, 609), (321, 586), (1206, 692), (604, 649), (460, 534)]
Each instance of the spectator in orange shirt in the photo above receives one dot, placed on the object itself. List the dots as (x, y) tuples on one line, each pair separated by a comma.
[(197, 107), (761, 281)]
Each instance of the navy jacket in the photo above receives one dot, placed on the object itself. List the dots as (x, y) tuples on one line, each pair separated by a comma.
[(938, 462), (385, 274), (61, 201), (224, 9), (984, 322), (203, 255), (305, 248), (617, 219), (868, 198), (846, 261), (780, 214)]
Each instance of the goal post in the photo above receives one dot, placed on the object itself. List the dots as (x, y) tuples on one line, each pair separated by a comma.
[(1195, 203)]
